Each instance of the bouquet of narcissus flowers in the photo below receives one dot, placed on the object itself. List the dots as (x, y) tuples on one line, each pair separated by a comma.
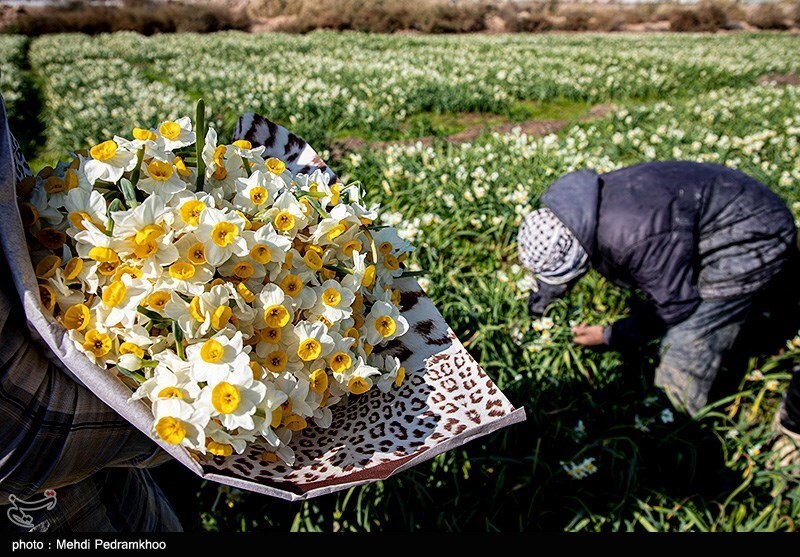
[(239, 300)]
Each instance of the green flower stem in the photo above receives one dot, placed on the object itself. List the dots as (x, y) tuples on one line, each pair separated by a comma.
[(247, 168), (340, 270), (137, 172), (177, 332), (116, 205)]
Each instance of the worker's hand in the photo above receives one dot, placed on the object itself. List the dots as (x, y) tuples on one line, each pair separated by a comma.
[(587, 335)]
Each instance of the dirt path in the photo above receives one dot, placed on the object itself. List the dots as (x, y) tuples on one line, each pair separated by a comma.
[(530, 127)]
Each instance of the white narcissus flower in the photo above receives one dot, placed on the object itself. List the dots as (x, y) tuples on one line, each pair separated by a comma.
[(311, 341), (332, 227), (287, 214), (41, 209), (254, 193), (392, 372), (221, 233), (216, 355), (160, 178), (204, 312), (233, 396), (179, 423), (384, 323), (333, 301), (85, 205), (177, 133), (360, 379), (108, 162), (120, 298)]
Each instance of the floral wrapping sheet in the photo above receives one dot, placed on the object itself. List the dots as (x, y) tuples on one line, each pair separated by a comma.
[(446, 400)]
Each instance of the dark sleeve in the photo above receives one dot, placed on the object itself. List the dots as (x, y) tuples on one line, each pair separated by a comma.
[(663, 268), (544, 296), (53, 431)]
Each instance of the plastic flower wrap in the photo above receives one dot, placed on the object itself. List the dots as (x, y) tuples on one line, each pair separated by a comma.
[(240, 300)]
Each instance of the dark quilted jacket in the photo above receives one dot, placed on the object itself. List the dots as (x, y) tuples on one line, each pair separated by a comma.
[(679, 231)]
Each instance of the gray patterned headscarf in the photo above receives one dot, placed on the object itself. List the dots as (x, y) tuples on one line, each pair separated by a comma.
[(549, 250)]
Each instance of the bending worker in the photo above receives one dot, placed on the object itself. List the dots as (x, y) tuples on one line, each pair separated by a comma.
[(707, 246)]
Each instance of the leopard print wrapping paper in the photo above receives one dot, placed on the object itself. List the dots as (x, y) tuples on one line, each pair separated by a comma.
[(445, 401)]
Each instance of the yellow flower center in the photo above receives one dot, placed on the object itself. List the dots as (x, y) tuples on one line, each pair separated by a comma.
[(318, 381), (358, 385), (295, 423), (73, 268), (221, 317), (47, 266), (104, 151), (243, 144), (258, 195), (146, 249), (131, 348), (160, 171), (103, 255), (271, 335), (243, 270), (144, 135), (212, 351), (29, 214), (341, 361), (219, 449), (277, 416), (107, 269), (171, 430), (245, 292), (190, 211), (261, 254), (48, 296), (220, 173), (219, 156), (181, 270), (385, 325), (76, 218), (54, 184), (313, 260), (114, 293), (309, 349), (194, 310), (284, 221), (224, 233), (335, 194), (331, 297), (51, 238), (170, 130), (369, 276), (276, 166), (77, 317), (256, 370), (276, 361), (385, 247), (336, 231), (292, 285), (97, 343), (196, 253), (276, 316), (350, 247), (400, 377), (158, 299), (180, 166), (390, 262), (170, 392), (352, 332), (225, 397)]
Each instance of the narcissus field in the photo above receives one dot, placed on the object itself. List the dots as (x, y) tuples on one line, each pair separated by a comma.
[(457, 137)]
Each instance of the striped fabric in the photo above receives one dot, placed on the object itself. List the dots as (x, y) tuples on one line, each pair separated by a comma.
[(56, 434)]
